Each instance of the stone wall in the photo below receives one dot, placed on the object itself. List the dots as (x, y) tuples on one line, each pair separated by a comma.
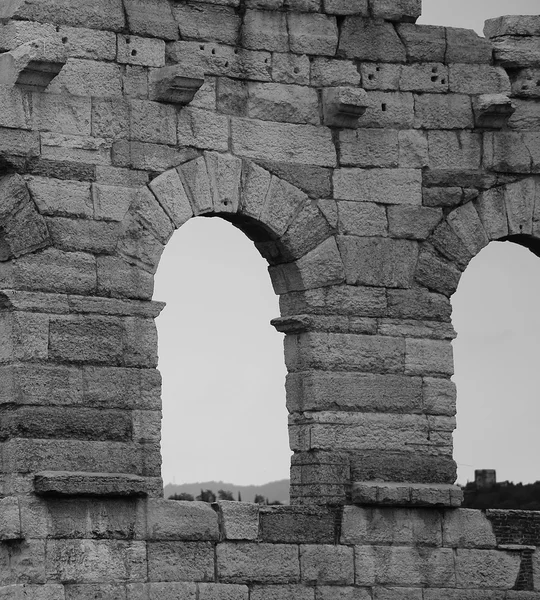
[(369, 159)]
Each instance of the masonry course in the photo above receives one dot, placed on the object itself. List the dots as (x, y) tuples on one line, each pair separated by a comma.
[(369, 159)]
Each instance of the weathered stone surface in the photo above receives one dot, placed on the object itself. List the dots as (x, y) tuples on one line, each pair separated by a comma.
[(327, 564), (276, 102), (180, 520), (366, 39), (383, 186), (151, 17), (99, 484), (264, 30), (312, 34), (240, 521)]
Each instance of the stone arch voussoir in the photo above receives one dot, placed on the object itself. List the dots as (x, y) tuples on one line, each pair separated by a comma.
[(295, 234), (506, 212), (22, 229)]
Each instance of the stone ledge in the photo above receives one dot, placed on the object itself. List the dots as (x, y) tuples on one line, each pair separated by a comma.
[(68, 483), (406, 494)]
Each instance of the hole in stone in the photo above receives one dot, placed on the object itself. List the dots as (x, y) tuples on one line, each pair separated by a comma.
[(443, 81), (128, 40), (201, 47), (296, 70), (236, 50), (224, 414), (371, 77), (377, 69), (226, 64), (134, 53), (57, 29), (64, 40), (435, 78), (383, 107), (213, 50), (434, 70)]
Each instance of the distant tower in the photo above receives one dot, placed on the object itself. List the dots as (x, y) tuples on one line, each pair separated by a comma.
[(485, 478)]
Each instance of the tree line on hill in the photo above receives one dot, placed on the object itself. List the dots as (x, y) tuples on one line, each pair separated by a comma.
[(506, 495), (209, 496)]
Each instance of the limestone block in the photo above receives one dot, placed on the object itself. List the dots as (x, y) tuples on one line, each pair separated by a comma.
[(151, 17), (117, 278), (87, 561), (413, 222), (277, 592), (110, 118), (61, 114), (96, 14), (151, 157), (400, 10), (172, 196), (194, 177), (413, 149), (312, 34), (74, 483), (378, 261), (437, 274), (254, 186), (399, 593), (224, 173), (467, 225), (320, 267), (140, 343), (315, 181), (384, 186), (277, 102), (520, 205), (21, 591), (208, 22), (333, 72), (10, 520), (353, 391), (467, 528), (75, 148), (418, 304), (57, 197), (466, 46), (448, 111), (218, 591), (263, 30), (232, 96), (423, 43), (151, 214), (14, 142), (220, 60), (152, 122), (15, 112), (134, 50), (239, 520), (395, 526), (439, 396), (83, 235), (425, 77), (526, 116), (486, 568), (518, 25), (449, 244), (51, 270), (301, 144), (442, 196), (206, 95), (367, 39), (290, 68), (179, 520), (475, 594), (346, 7), (362, 219), (516, 51), (283, 202), (380, 76), (478, 79), (525, 83), (391, 110), (492, 110), (112, 202), (85, 591), (25, 335), (460, 150), (428, 357), (343, 106), (88, 78), (203, 129), (325, 564), (177, 84), (506, 151), (136, 81), (264, 563)]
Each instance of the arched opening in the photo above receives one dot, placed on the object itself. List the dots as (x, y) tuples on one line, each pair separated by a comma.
[(495, 314), (224, 415)]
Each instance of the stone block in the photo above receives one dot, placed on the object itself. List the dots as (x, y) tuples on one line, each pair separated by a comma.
[(89, 591), (428, 357), (176, 84), (290, 68), (383, 186), (400, 10), (179, 520), (112, 202), (136, 81), (219, 591), (467, 225), (263, 30), (194, 177), (10, 519), (110, 118), (312, 34), (180, 561), (285, 103), (255, 185), (239, 520), (423, 43), (373, 40), (326, 564), (380, 76), (362, 219), (442, 196), (207, 22), (152, 122), (64, 198), (487, 568), (492, 110), (460, 150), (83, 235), (391, 110), (327, 72), (418, 304), (60, 114), (283, 202), (413, 149), (16, 142), (525, 83), (203, 129), (261, 563), (87, 78), (21, 591), (75, 149), (425, 77), (478, 79), (315, 181), (308, 525), (172, 196), (439, 396), (437, 274), (117, 278), (140, 343), (232, 96), (134, 50), (151, 157), (378, 261), (282, 592), (514, 52), (368, 148), (436, 111), (151, 18), (413, 222), (467, 528), (466, 46), (69, 483)]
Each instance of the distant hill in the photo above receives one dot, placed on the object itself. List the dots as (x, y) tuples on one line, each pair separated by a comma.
[(275, 490), (503, 495)]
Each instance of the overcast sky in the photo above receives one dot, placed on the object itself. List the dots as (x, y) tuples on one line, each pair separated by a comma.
[(224, 413)]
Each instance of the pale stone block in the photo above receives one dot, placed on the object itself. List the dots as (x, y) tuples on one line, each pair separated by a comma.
[(110, 118), (329, 72), (466, 46), (83, 235), (428, 357), (117, 278), (526, 115), (57, 197), (203, 129), (263, 30), (150, 212), (136, 81), (506, 151), (290, 68), (224, 174), (519, 199), (487, 568), (277, 102), (240, 520), (449, 244), (283, 202), (75, 148), (312, 34), (413, 149), (368, 148), (323, 564), (364, 565), (301, 144), (391, 110), (194, 177), (347, 7), (413, 222), (10, 519), (418, 304), (383, 186), (525, 83), (150, 157), (219, 591), (460, 150), (179, 520), (439, 396), (512, 25), (478, 79), (467, 225), (89, 591), (442, 196), (152, 122), (467, 528), (373, 40), (380, 76), (151, 17), (22, 591), (61, 114), (362, 219), (112, 202), (16, 142), (88, 78), (399, 593), (172, 196), (134, 50), (516, 52), (208, 22), (265, 563), (254, 186), (396, 10), (423, 43), (282, 592), (426, 77), (448, 111), (378, 261)]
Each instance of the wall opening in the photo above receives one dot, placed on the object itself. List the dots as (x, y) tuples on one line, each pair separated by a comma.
[(496, 353), (224, 414)]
